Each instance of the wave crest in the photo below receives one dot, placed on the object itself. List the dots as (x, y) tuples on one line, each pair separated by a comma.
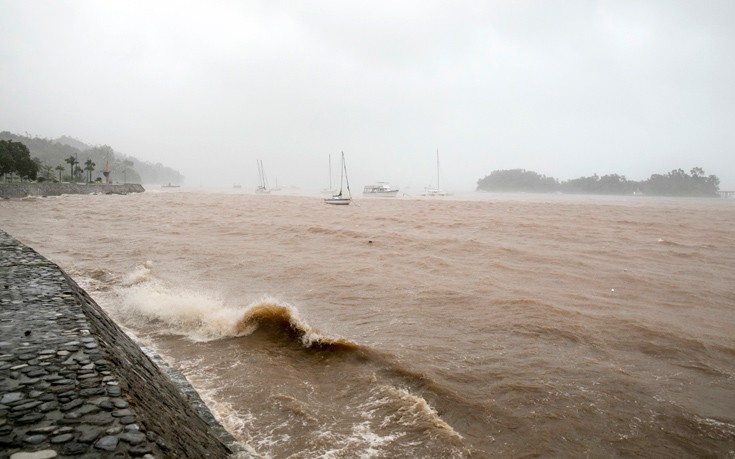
[(285, 318), (203, 316), (402, 407)]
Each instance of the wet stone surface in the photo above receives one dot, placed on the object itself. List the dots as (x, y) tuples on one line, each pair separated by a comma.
[(62, 392)]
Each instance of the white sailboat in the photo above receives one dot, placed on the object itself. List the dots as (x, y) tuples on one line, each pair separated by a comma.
[(263, 186), (338, 199), (429, 191)]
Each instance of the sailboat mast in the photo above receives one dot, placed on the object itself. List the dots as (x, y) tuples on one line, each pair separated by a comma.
[(341, 174), (261, 175), (330, 172), (437, 170), (347, 180)]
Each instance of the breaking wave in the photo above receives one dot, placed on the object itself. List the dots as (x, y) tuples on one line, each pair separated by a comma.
[(270, 314), (402, 407), (203, 316)]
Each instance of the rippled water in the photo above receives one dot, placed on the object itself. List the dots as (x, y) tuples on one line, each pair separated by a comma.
[(479, 325)]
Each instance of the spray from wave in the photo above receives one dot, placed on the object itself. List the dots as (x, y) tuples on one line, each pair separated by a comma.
[(203, 316)]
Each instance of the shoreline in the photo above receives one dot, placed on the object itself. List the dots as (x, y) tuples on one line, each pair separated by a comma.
[(72, 383), (24, 190)]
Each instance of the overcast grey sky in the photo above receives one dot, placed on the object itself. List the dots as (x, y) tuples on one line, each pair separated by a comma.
[(564, 88)]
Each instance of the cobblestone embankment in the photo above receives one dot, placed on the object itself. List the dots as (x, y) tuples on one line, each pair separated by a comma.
[(23, 190), (73, 384)]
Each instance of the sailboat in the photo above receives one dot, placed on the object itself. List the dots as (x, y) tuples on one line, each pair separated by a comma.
[(338, 199), (429, 191), (263, 187)]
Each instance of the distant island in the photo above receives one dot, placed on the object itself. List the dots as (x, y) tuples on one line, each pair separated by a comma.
[(675, 183), (66, 159)]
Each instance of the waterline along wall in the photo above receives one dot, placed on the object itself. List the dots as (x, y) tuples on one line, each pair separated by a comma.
[(22, 190), (72, 383)]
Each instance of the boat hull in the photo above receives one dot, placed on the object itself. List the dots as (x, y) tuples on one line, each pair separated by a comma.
[(380, 194), (434, 193), (338, 201)]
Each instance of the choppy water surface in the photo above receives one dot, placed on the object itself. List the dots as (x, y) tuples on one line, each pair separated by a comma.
[(483, 326)]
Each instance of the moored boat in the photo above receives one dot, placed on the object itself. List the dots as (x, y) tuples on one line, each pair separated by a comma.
[(431, 191), (380, 189), (263, 186), (339, 199)]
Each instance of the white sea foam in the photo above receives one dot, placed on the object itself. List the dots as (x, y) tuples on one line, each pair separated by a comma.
[(198, 314), (140, 273)]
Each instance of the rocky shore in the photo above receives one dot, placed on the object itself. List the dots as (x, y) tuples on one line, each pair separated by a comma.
[(73, 384), (22, 190)]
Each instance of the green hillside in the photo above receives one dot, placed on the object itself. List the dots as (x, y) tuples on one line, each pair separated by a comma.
[(52, 153)]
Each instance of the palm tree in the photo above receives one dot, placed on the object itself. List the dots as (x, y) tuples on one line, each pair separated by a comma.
[(60, 168), (89, 167), (72, 160), (47, 171)]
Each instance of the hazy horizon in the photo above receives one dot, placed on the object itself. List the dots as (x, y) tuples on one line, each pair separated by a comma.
[(563, 89)]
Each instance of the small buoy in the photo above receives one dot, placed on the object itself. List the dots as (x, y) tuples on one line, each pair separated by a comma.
[(612, 289), (28, 332), (370, 242)]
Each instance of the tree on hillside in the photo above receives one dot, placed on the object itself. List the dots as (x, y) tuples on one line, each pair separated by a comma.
[(6, 159), (517, 180), (89, 167), (26, 167), (55, 151), (72, 160), (607, 184), (46, 171), (679, 183), (675, 183), (126, 164), (15, 158), (60, 168)]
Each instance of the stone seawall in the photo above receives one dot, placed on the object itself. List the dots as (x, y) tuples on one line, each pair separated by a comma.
[(22, 190), (73, 384)]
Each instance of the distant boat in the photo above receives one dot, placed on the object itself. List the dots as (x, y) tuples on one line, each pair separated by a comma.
[(236, 185), (429, 191), (263, 187), (338, 199), (380, 189), (169, 186)]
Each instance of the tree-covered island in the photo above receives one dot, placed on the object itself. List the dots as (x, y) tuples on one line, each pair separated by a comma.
[(675, 183)]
